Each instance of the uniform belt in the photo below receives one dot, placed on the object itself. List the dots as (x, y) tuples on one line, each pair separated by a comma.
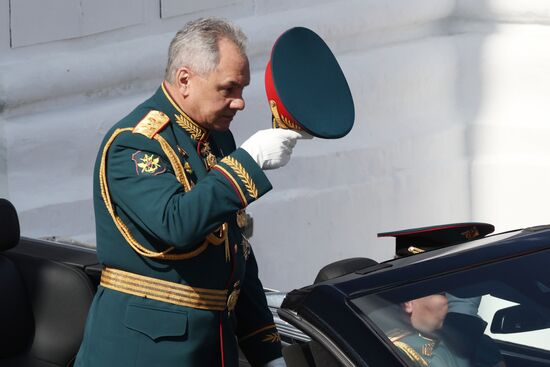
[(169, 292)]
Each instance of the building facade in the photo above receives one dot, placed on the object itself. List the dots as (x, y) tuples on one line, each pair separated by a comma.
[(451, 101)]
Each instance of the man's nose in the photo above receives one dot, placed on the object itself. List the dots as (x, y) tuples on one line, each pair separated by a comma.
[(237, 104)]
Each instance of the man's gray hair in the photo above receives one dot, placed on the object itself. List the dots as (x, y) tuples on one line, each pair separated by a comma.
[(196, 45)]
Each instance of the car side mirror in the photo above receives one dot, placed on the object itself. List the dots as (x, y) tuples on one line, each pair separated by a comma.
[(517, 319)]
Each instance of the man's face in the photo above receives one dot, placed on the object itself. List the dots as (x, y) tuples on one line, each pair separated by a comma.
[(214, 99), (427, 313)]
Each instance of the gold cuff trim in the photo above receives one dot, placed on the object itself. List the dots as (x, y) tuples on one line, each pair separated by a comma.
[(164, 291), (235, 183), (272, 338), (257, 331), (242, 174)]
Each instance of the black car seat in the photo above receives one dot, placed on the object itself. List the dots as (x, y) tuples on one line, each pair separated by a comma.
[(43, 304), (311, 353)]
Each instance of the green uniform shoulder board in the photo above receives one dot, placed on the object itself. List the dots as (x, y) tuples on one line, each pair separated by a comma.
[(413, 355), (397, 334), (151, 124)]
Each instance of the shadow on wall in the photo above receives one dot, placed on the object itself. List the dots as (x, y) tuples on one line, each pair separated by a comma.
[(469, 92), (502, 87)]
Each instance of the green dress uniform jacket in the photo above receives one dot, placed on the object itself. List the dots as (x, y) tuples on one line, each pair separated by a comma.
[(425, 351), (436, 352), (180, 285)]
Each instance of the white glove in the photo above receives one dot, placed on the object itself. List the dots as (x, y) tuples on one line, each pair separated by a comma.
[(271, 148), (279, 362)]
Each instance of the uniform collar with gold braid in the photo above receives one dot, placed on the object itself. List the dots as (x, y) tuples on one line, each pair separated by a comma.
[(197, 132)]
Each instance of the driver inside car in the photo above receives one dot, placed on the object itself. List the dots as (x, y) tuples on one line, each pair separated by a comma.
[(418, 339), (442, 324), (441, 332)]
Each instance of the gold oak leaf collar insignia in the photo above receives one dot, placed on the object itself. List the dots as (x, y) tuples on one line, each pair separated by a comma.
[(200, 135), (197, 132)]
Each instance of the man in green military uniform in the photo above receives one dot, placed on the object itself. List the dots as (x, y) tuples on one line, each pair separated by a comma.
[(180, 282), (418, 340), (441, 329)]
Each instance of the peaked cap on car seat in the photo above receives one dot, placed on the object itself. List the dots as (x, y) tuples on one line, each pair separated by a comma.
[(412, 241), (306, 88)]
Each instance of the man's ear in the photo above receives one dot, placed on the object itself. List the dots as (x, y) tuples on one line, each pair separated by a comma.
[(408, 307), (182, 80)]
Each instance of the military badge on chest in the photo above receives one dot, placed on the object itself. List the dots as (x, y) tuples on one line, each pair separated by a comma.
[(208, 156), (246, 247), (244, 222), (242, 219)]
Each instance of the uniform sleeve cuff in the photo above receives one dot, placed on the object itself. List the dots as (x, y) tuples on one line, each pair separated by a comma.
[(261, 346), (244, 174)]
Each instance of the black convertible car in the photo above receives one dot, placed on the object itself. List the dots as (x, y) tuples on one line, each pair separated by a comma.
[(348, 317)]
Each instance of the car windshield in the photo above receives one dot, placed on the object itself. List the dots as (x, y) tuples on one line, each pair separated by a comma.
[(478, 316)]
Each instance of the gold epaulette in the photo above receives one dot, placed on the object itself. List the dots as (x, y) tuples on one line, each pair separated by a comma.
[(397, 334), (411, 353), (151, 124)]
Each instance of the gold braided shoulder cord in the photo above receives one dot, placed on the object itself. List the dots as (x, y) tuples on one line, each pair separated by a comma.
[(243, 175), (175, 162), (123, 228)]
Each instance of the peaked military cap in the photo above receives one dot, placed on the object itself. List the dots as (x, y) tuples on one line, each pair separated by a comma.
[(412, 241), (306, 88)]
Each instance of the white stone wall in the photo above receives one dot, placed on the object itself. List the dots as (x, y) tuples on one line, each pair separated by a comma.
[(451, 109)]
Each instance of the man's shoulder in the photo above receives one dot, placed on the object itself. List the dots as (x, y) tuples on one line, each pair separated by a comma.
[(398, 334), (137, 115), (151, 124), (140, 125), (409, 338), (420, 349)]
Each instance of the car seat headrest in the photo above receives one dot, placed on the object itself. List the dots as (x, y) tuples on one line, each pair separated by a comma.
[(343, 267), (9, 225)]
